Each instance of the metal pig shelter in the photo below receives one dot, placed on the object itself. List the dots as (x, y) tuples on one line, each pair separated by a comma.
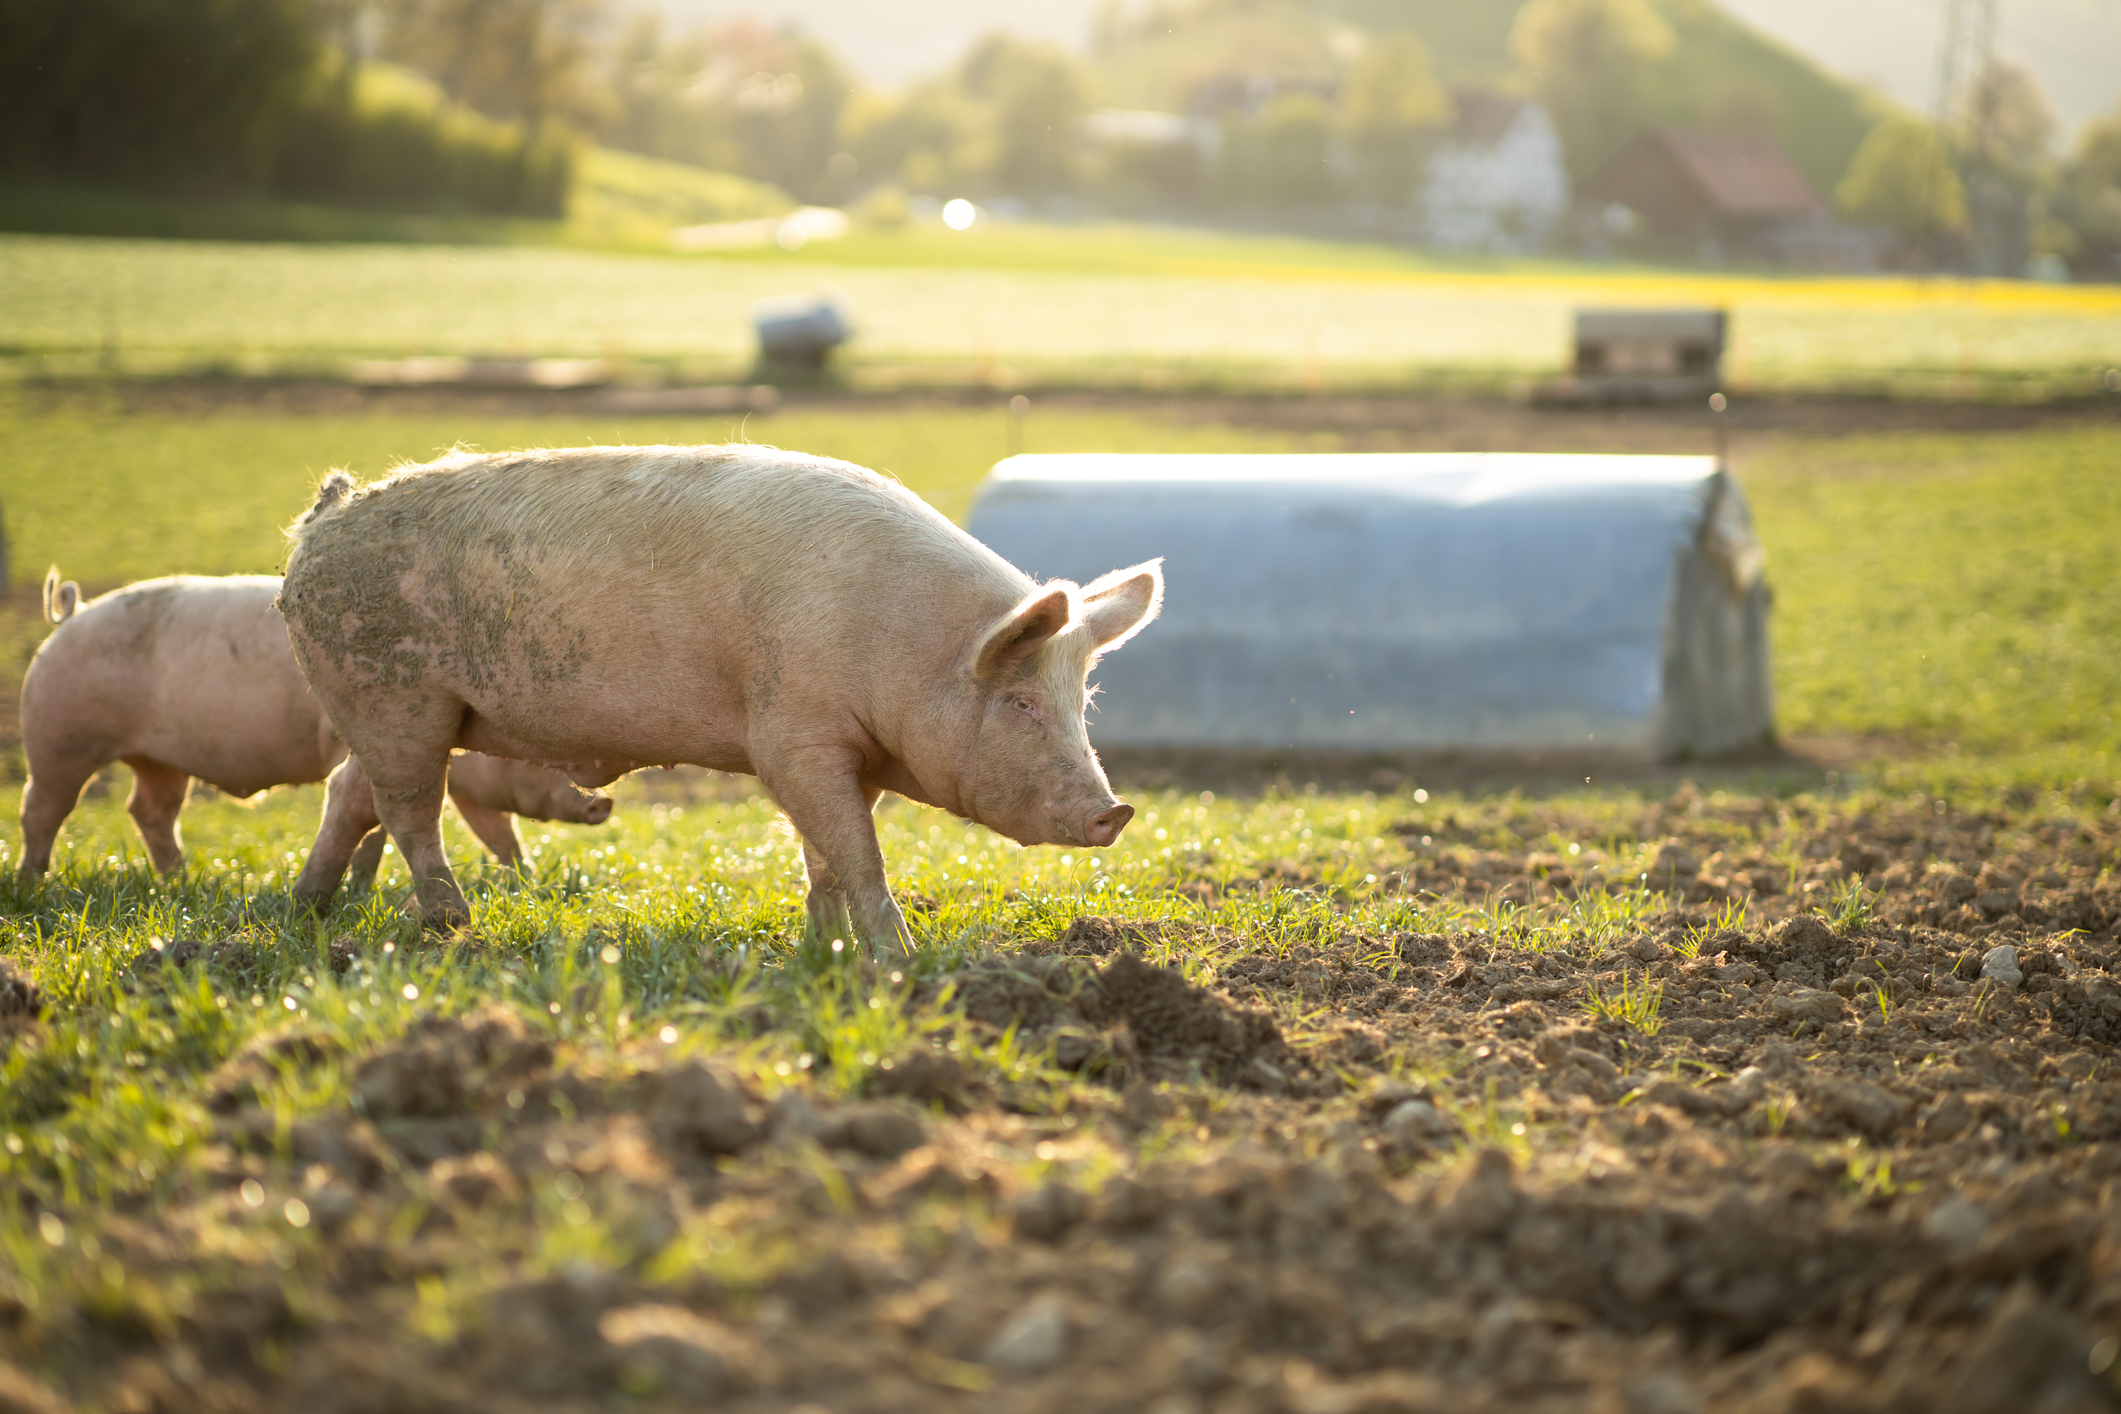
[(1411, 603)]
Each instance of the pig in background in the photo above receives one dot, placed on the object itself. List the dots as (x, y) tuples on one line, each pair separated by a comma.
[(741, 608), (193, 677)]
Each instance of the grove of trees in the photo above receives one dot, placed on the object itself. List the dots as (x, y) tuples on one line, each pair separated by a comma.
[(1286, 111)]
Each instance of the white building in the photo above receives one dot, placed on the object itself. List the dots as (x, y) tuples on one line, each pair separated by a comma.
[(1496, 181)]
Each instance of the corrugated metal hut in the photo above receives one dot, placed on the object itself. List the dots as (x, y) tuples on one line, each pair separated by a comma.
[(1412, 603)]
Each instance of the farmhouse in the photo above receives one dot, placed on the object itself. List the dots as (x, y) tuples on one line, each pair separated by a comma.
[(1714, 194), (1496, 180)]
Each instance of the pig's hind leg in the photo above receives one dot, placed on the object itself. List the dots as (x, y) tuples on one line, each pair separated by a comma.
[(157, 800), (55, 785), (496, 829), (350, 834), (367, 859)]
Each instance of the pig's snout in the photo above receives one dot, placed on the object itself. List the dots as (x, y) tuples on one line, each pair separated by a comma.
[(1103, 828), (597, 811)]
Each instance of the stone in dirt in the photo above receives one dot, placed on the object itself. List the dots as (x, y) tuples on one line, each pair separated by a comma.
[(1418, 1123), (1808, 1004), (2001, 965), (1033, 1339)]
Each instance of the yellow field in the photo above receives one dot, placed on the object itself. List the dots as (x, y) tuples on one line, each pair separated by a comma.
[(1161, 312)]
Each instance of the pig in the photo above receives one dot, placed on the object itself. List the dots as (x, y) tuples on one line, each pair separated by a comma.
[(189, 677), (747, 609)]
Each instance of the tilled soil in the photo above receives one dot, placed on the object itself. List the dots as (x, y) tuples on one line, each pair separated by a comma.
[(1769, 1164)]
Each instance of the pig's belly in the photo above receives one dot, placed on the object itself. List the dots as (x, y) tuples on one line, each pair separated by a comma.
[(596, 748), (241, 769)]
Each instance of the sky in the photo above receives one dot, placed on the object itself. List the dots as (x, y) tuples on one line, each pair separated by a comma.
[(2072, 46)]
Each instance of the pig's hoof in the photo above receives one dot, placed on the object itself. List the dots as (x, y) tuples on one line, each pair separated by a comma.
[(312, 902), (442, 907)]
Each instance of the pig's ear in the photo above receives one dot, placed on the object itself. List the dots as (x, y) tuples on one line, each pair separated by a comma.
[(1023, 630), (1119, 605)]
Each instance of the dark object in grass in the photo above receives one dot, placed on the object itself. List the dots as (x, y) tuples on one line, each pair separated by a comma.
[(20, 999)]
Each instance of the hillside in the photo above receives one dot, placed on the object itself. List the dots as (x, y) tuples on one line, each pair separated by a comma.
[(1723, 70)]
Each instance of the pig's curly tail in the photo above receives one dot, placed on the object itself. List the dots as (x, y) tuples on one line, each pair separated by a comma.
[(333, 492), (60, 600)]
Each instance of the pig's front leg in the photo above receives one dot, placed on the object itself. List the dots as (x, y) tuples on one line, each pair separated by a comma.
[(826, 907), (829, 807), (408, 795)]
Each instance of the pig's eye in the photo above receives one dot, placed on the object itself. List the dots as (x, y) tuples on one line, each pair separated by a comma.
[(1026, 706)]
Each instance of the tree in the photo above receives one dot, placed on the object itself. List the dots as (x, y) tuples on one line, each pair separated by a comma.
[(2007, 120), (2085, 210), (174, 92), (530, 61), (1593, 63), (1902, 177), (1037, 96), (1283, 157), (1391, 89), (1390, 106)]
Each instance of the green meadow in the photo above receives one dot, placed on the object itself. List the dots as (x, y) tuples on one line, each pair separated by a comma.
[(1950, 597), (221, 1187), (1100, 306)]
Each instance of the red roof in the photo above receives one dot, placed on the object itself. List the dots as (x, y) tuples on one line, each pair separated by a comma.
[(1481, 116), (1743, 175)]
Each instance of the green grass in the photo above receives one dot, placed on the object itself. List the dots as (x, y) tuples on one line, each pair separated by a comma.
[(214, 494), (1958, 594), (1109, 305), (1953, 596), (135, 1212)]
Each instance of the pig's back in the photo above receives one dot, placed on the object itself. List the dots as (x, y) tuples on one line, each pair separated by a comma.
[(193, 672), (644, 587)]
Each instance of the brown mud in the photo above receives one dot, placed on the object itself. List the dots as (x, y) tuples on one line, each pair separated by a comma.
[(1757, 1163)]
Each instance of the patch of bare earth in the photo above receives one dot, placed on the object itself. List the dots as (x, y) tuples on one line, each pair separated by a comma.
[(1865, 1170)]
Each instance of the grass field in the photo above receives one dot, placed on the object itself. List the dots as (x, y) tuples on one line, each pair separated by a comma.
[(1950, 593), (1662, 1096), (1100, 307)]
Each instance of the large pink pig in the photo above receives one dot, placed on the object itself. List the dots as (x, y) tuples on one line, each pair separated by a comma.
[(189, 677), (741, 608)]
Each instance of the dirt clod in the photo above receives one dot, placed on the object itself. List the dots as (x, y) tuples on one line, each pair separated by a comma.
[(670, 1350), (21, 1001), (697, 1108), (1128, 1018)]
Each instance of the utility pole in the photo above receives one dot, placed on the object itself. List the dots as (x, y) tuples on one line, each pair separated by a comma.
[(1966, 115)]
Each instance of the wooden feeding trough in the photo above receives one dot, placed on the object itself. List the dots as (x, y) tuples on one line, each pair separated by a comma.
[(1610, 605), (1644, 355), (799, 332)]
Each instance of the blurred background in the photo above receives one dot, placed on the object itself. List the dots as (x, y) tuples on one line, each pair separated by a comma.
[(242, 241), (1979, 135)]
